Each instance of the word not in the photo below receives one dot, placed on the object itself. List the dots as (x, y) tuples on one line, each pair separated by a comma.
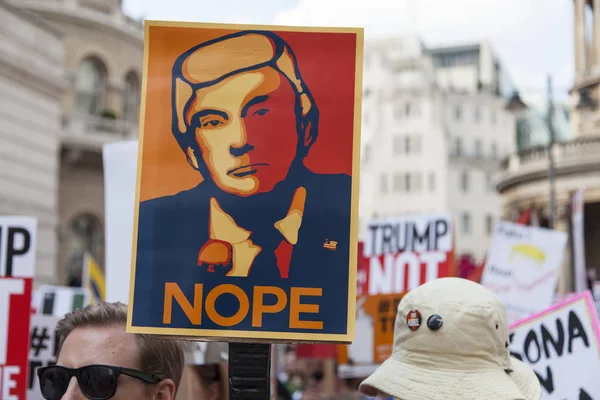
[(8, 382), (394, 237), (537, 345), (18, 244), (390, 276), (259, 308)]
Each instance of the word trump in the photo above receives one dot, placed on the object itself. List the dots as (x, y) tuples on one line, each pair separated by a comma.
[(17, 246), (411, 233), (255, 308)]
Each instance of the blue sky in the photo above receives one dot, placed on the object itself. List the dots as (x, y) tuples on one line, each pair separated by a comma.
[(532, 37)]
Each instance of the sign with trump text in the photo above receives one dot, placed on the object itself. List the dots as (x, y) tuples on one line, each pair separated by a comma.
[(246, 210), (398, 255)]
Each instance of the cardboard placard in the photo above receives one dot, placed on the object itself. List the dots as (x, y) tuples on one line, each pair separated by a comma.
[(246, 210), (561, 344), (119, 161), (18, 243), (15, 310), (42, 351), (59, 300), (522, 267), (398, 255)]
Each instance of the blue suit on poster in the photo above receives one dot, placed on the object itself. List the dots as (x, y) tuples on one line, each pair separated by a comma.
[(259, 217)]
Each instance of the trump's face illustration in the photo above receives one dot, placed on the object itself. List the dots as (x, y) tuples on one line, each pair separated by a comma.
[(241, 111), (246, 130)]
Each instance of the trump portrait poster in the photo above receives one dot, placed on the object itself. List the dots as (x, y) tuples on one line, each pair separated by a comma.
[(246, 207)]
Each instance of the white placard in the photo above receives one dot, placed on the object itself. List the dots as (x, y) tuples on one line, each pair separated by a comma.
[(59, 300), (42, 350), (120, 166), (561, 345), (522, 267), (18, 244)]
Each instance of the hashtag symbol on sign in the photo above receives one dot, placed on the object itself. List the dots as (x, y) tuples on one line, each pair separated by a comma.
[(38, 340)]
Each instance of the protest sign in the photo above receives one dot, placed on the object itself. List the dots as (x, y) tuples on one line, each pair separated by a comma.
[(398, 255), (119, 161), (17, 246), (246, 211), (42, 351), (402, 253), (561, 345), (15, 310), (522, 267), (59, 300)]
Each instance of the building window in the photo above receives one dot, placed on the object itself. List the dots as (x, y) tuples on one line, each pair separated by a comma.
[(407, 182), (489, 182), (398, 144), (383, 182), (89, 86), (457, 113), (465, 223), (477, 114), (407, 109), (407, 148), (431, 181), (464, 181), (478, 150), (494, 151), (458, 147), (397, 182), (489, 225), (398, 112), (417, 182), (416, 144), (84, 236), (131, 101)]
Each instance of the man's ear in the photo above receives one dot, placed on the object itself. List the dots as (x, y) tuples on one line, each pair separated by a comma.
[(165, 390), (191, 157)]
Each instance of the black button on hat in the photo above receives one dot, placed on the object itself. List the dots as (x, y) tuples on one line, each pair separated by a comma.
[(435, 322)]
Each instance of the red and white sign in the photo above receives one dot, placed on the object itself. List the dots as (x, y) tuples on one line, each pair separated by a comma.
[(15, 314), (399, 254)]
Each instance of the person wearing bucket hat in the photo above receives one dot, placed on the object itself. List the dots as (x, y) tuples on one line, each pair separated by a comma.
[(451, 342)]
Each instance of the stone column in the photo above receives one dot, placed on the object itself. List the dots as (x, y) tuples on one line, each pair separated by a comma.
[(565, 278), (580, 62), (596, 49)]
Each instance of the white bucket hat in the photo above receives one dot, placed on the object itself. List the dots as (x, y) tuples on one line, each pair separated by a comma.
[(451, 343)]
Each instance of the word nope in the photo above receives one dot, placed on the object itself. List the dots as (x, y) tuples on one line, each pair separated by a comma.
[(193, 309)]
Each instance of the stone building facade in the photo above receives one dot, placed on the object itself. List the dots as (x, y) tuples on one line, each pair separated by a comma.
[(32, 85), (524, 178), (99, 56)]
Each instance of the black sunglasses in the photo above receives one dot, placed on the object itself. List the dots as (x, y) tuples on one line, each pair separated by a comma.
[(96, 382)]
